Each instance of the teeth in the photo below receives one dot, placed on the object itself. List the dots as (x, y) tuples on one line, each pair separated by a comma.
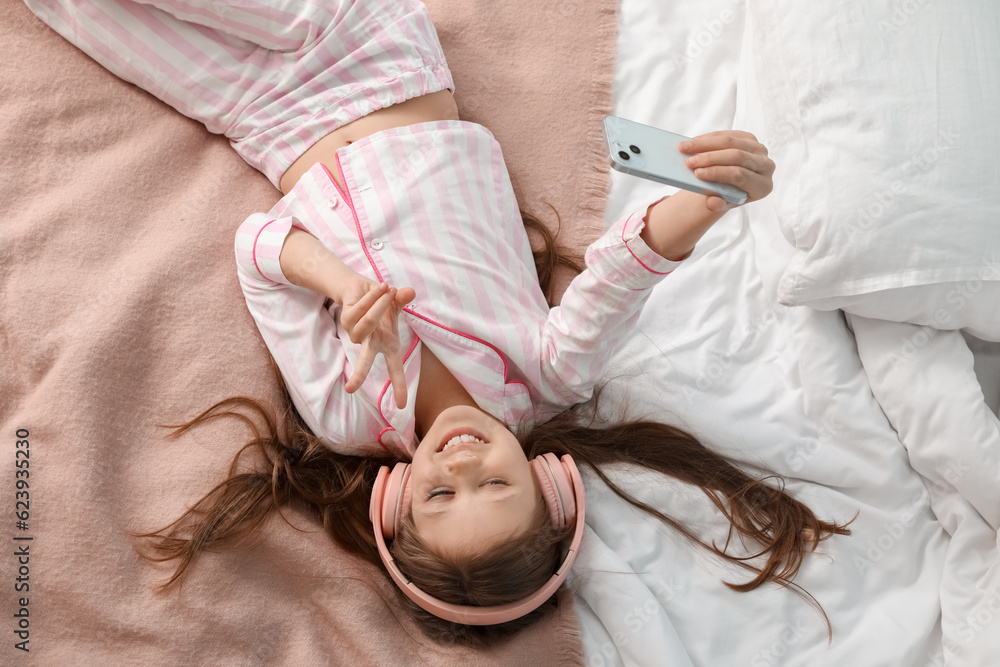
[(465, 437)]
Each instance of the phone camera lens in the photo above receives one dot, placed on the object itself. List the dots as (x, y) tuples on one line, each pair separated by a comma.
[(634, 149), (623, 155)]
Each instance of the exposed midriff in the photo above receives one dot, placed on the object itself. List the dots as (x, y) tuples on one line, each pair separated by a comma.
[(433, 106)]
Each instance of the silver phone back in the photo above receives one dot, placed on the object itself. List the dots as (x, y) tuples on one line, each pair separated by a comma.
[(658, 158)]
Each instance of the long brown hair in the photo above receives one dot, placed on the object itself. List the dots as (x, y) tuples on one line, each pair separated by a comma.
[(549, 257), (511, 571), (336, 488), (783, 528), (298, 465)]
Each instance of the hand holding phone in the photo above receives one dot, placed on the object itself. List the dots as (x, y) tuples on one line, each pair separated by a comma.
[(729, 167), (731, 157)]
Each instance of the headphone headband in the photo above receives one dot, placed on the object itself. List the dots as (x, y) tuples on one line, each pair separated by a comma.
[(468, 614)]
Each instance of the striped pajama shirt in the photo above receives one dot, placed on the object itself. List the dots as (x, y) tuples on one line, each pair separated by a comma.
[(273, 76), (428, 206)]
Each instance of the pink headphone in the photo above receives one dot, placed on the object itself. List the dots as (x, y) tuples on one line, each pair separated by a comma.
[(562, 488)]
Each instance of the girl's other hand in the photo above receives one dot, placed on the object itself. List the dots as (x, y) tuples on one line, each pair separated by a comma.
[(733, 157), (370, 315)]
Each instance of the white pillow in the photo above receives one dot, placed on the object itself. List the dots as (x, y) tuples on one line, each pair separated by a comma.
[(881, 116)]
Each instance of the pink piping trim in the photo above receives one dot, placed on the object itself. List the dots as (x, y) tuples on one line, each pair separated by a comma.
[(481, 342), (253, 251), (659, 273), (384, 446), (463, 335), (350, 203), (388, 383), (346, 196), (364, 246)]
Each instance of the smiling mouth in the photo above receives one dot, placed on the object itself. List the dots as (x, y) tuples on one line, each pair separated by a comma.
[(461, 436)]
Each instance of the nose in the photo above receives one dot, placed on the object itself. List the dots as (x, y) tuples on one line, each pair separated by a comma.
[(461, 462)]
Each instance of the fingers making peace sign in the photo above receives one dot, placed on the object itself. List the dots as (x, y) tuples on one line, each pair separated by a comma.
[(370, 315)]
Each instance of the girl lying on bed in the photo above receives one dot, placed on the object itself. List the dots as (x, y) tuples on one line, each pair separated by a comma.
[(399, 235)]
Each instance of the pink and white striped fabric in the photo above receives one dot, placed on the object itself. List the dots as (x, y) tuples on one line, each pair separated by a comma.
[(273, 76), (430, 206)]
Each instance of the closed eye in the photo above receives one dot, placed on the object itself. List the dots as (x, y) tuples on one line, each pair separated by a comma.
[(493, 481)]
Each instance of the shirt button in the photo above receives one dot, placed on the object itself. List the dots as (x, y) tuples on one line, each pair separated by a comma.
[(333, 202), (377, 244)]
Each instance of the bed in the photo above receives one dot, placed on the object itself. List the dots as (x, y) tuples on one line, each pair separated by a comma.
[(775, 367), (870, 382)]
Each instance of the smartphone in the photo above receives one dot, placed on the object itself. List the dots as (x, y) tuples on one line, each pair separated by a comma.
[(648, 152)]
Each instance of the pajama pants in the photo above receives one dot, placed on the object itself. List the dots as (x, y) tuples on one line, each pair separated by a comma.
[(273, 76)]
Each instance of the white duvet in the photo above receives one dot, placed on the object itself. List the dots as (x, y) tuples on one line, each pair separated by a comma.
[(909, 447)]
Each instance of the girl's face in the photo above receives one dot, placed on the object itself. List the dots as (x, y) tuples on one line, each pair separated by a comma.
[(470, 494)]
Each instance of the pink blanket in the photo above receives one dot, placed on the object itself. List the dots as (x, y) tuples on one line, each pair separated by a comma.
[(121, 310)]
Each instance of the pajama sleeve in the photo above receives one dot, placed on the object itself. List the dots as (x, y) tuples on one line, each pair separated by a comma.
[(302, 336), (598, 308)]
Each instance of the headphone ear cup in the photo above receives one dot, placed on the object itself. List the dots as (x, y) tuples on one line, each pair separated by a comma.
[(567, 470), (565, 497), (403, 506), (541, 468), (555, 479), (395, 498)]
